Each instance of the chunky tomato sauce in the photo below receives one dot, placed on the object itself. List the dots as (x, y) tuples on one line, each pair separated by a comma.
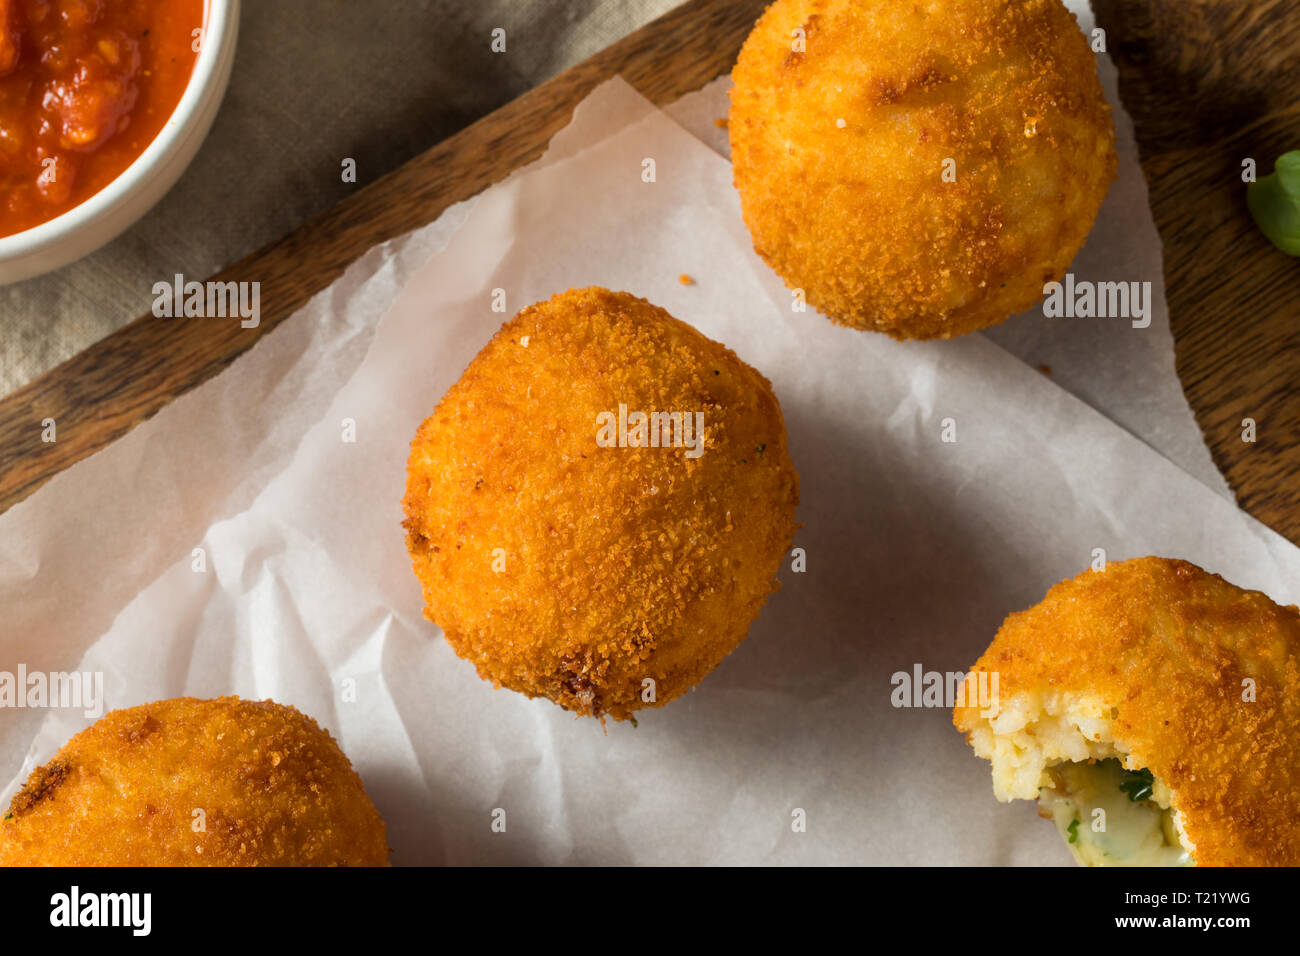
[(85, 86)]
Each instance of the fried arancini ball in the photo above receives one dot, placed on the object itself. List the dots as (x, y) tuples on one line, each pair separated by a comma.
[(919, 167), (566, 567), (187, 782), (1158, 693)]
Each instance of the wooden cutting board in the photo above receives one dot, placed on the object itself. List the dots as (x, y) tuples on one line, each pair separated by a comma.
[(1232, 298), (1209, 84)]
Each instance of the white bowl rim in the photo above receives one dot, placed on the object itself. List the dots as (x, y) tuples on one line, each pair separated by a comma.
[(218, 22)]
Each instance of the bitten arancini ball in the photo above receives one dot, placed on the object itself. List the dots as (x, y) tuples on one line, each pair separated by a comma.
[(919, 167), (187, 782), (597, 510), (1153, 710)]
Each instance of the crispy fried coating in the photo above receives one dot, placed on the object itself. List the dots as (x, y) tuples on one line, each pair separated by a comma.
[(571, 570), (1158, 659), (188, 782), (919, 167)]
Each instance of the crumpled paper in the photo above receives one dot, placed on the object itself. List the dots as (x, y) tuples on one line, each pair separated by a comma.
[(916, 547)]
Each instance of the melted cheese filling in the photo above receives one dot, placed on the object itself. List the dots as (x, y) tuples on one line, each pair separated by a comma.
[(1100, 822)]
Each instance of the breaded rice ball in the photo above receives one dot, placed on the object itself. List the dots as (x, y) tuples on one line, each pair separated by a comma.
[(561, 551), (188, 782), (1163, 697), (919, 167)]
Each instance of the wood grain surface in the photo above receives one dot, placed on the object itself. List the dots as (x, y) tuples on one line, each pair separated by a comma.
[(103, 392), (1210, 83)]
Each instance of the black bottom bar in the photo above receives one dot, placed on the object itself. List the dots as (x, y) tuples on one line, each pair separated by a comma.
[(303, 906)]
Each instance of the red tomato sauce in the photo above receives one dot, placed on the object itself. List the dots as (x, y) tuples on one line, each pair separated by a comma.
[(85, 87)]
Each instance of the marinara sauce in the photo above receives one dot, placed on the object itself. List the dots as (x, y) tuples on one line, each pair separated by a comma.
[(85, 86)]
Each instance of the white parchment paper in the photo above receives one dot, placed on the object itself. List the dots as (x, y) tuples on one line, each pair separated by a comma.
[(916, 548)]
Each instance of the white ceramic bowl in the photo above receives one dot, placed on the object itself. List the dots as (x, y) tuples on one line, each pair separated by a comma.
[(115, 208)]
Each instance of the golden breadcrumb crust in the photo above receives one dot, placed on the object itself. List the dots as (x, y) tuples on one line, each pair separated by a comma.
[(839, 152), (274, 790), (572, 571), (1168, 646)]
